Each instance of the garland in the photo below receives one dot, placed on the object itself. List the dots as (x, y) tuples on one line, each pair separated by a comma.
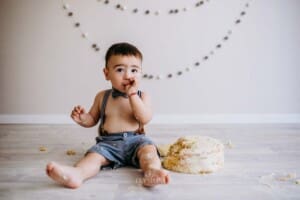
[(195, 65), (156, 12)]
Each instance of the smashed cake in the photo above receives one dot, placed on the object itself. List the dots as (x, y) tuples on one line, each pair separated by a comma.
[(195, 154)]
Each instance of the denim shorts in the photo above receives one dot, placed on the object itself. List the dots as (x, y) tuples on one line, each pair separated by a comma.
[(120, 148)]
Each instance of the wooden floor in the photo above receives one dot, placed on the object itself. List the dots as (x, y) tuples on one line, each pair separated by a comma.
[(261, 155)]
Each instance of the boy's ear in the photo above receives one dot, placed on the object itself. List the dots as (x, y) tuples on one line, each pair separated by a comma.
[(105, 71)]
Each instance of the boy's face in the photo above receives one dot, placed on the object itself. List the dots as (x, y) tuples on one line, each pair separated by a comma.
[(122, 70)]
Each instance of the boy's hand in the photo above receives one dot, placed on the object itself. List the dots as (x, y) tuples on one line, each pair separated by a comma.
[(132, 86), (78, 114)]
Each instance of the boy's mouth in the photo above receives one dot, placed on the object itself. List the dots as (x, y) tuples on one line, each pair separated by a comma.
[(127, 83), (124, 85)]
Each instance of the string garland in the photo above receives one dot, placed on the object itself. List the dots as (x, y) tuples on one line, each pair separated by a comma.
[(153, 12), (218, 45)]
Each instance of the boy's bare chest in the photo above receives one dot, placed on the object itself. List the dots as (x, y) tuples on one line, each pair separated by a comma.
[(119, 116), (118, 108)]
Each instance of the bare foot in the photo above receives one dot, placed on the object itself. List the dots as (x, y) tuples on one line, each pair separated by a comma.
[(154, 177), (65, 175)]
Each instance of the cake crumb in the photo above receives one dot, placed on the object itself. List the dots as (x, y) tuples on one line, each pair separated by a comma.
[(42, 149), (229, 144), (287, 177), (71, 152)]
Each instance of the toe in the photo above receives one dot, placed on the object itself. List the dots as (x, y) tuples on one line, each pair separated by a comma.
[(49, 168), (167, 179)]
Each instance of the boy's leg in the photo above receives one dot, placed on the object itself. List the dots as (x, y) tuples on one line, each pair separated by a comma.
[(151, 166), (73, 177)]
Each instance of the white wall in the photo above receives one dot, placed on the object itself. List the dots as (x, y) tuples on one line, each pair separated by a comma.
[(47, 67)]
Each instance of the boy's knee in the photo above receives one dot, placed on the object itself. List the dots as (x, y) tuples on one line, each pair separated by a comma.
[(148, 151)]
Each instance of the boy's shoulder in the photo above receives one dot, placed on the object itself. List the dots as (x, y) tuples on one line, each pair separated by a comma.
[(99, 96), (101, 93)]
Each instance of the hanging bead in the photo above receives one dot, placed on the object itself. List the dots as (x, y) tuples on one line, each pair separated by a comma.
[(77, 24), (123, 8), (237, 21), (219, 46), (70, 14), (84, 35), (199, 3), (197, 64), (147, 12), (150, 77), (170, 75), (95, 47), (205, 58), (66, 6), (162, 77), (135, 10), (179, 73)]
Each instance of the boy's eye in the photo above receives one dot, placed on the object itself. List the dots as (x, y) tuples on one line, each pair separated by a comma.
[(119, 69), (134, 70)]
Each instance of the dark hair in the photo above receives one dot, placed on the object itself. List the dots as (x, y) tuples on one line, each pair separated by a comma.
[(124, 49)]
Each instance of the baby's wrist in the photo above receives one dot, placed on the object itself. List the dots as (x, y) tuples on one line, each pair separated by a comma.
[(132, 94)]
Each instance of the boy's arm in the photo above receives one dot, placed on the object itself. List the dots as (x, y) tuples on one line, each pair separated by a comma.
[(141, 107), (91, 118)]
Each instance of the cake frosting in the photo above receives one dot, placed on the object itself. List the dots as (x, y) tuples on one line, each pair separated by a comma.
[(195, 154)]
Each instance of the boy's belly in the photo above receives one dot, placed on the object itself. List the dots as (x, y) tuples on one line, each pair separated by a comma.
[(115, 125)]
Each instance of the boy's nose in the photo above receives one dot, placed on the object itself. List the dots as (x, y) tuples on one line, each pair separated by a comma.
[(128, 74)]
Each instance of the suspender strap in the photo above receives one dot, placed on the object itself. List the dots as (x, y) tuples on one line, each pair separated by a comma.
[(102, 111), (139, 93), (141, 127)]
